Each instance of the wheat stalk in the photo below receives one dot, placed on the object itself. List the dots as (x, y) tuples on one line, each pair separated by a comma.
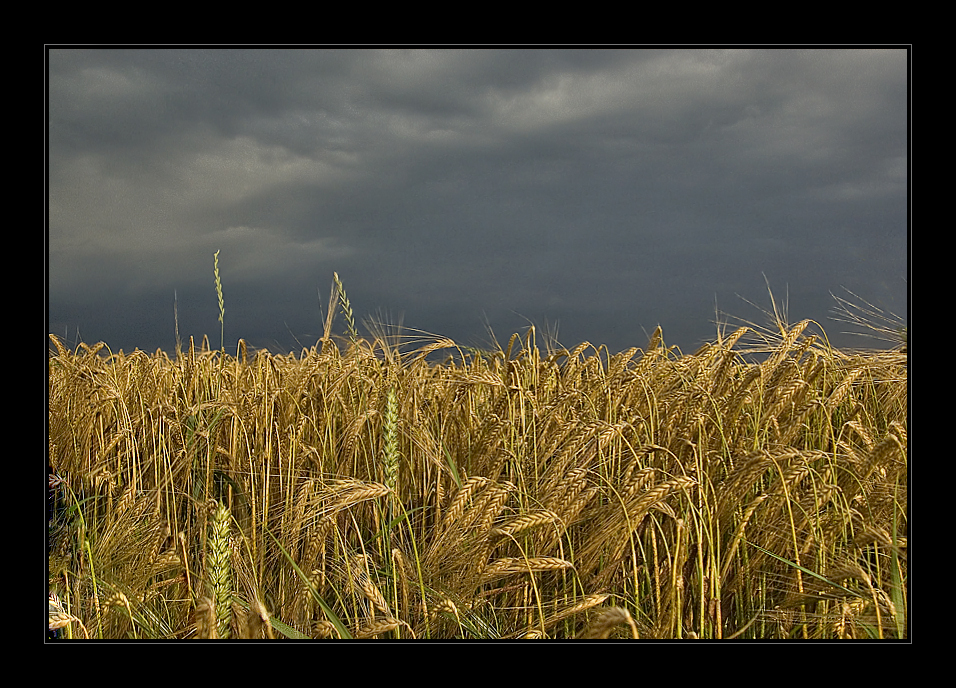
[(363, 583), (59, 618), (346, 308), (565, 494), (350, 492), (219, 569), (587, 602), (256, 622), (609, 620), (492, 504), (222, 308), (382, 626), (511, 565), (206, 623), (457, 507), (526, 522), (391, 456)]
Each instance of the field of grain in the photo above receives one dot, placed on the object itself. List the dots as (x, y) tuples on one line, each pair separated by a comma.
[(754, 489)]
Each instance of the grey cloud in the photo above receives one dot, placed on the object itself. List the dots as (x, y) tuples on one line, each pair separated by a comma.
[(606, 189)]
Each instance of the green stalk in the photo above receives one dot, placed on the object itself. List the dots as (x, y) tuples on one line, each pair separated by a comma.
[(336, 621), (219, 569), (346, 308)]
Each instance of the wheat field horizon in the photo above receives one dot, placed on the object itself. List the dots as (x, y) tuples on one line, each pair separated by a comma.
[(365, 488)]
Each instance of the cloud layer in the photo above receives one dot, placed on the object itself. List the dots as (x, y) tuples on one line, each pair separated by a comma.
[(599, 191)]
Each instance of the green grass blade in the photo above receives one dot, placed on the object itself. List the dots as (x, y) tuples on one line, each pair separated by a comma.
[(336, 621), (807, 571)]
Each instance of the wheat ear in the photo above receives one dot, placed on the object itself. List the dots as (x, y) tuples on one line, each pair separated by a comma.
[(392, 458), (607, 622), (346, 308), (219, 570), (222, 308)]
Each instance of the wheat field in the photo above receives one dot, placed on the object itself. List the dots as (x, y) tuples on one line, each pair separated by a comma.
[(754, 489)]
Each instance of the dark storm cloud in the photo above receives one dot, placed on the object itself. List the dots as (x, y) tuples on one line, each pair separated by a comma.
[(603, 190)]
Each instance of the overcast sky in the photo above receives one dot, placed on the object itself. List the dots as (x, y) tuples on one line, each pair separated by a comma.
[(593, 193)]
